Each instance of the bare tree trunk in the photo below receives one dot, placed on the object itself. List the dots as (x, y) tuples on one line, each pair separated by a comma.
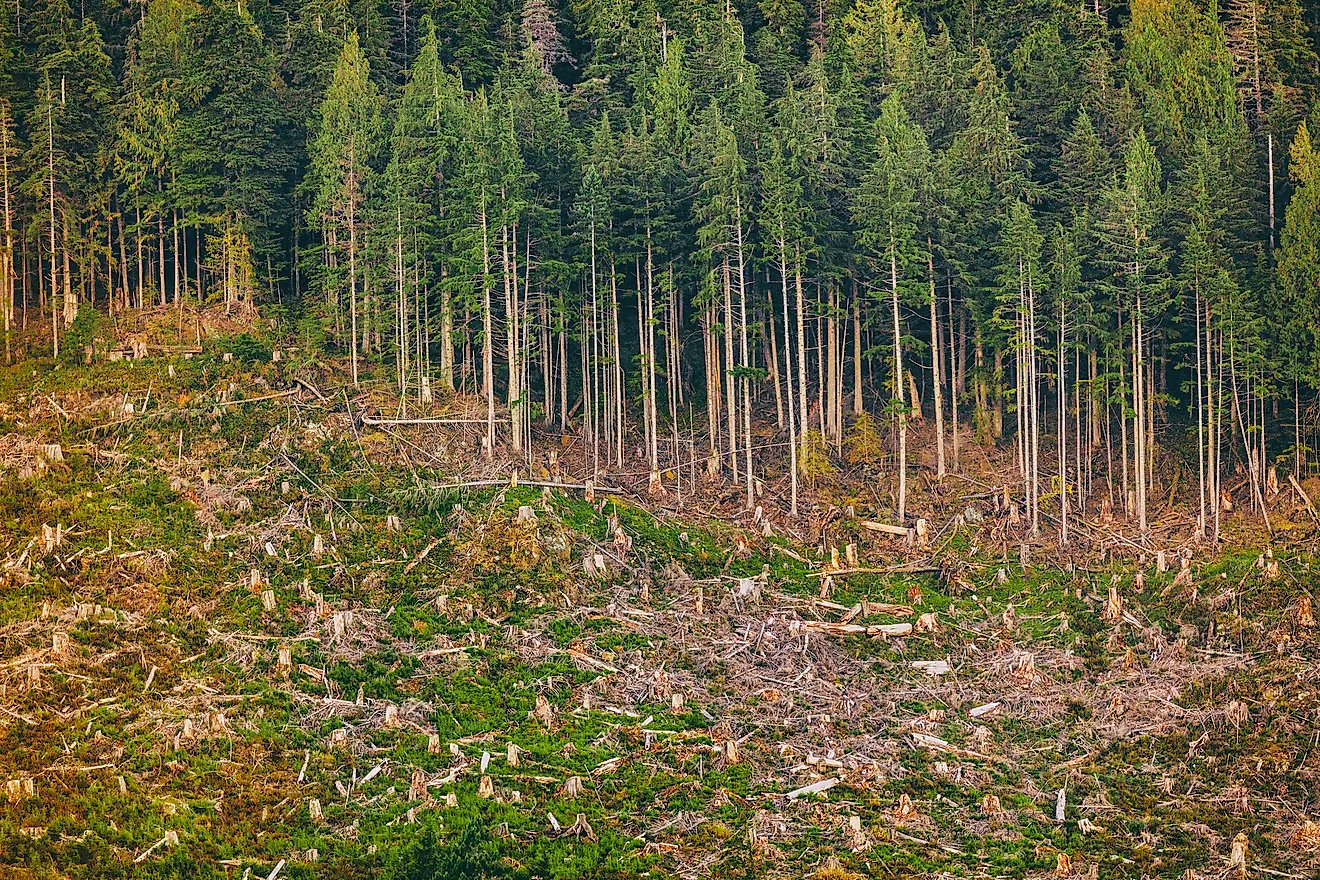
[(857, 350), (772, 359), (898, 381), (746, 360), (801, 343), (352, 259), (730, 366), (953, 380), (487, 333), (788, 384), (833, 377), (1139, 422), (54, 317), (653, 425), (7, 255), (1063, 421), (936, 373)]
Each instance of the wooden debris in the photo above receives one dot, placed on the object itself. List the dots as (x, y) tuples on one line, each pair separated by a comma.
[(1237, 859), (1114, 603), (886, 528), (985, 709), (543, 712), (581, 828), (820, 787), (847, 629), (1063, 865), (573, 787), (1236, 713), (932, 667), (1305, 613), (52, 538), (990, 805), (20, 789), (860, 843), (905, 809), (1268, 564), (417, 786), (1306, 499), (927, 623), (1025, 668), (340, 623), (486, 788), (1183, 578)]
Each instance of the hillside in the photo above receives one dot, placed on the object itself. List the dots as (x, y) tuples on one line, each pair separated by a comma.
[(245, 633)]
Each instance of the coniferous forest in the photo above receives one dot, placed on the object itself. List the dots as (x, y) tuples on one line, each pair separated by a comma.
[(771, 438), (1073, 227)]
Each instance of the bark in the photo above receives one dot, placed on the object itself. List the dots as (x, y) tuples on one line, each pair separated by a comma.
[(936, 372), (898, 381)]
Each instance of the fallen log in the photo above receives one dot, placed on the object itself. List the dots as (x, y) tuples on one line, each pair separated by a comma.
[(814, 788), (858, 629)]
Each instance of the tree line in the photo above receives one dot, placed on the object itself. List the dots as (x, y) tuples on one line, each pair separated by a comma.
[(745, 241)]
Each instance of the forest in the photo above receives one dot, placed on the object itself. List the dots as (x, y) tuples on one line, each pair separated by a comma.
[(560, 439), (1089, 231)]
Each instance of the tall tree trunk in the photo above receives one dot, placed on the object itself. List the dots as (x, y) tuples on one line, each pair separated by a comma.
[(953, 380), (788, 383), (1063, 421), (772, 356), (801, 342), (487, 333), (746, 360), (7, 253), (50, 168), (352, 259), (857, 350), (898, 380), (936, 373), (731, 369)]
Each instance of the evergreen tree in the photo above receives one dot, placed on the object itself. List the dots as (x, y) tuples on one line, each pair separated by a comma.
[(886, 211), (346, 145)]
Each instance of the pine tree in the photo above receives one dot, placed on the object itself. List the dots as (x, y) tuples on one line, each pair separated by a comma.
[(781, 223), (342, 153), (1020, 276), (886, 211), (1134, 212), (1299, 264)]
